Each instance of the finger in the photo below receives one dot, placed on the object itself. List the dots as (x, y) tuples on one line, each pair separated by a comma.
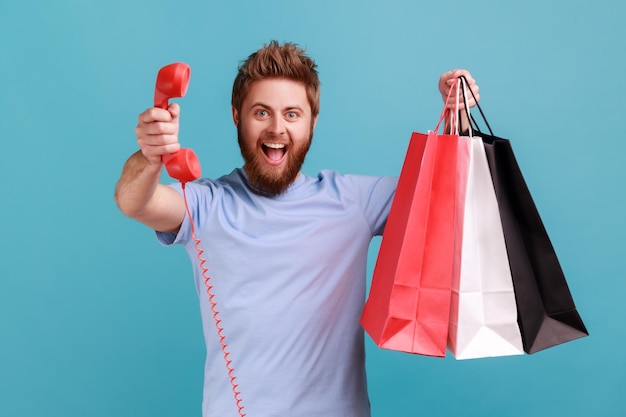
[(447, 78), (155, 140), (153, 149), (155, 154), (471, 99), (156, 149), (155, 114), (465, 73), (473, 94), (174, 110), (471, 102), (157, 128)]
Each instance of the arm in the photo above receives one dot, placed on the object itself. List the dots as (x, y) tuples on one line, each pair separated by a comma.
[(138, 193), (448, 81)]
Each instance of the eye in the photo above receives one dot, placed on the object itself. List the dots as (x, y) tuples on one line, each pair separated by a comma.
[(262, 113), (291, 115)]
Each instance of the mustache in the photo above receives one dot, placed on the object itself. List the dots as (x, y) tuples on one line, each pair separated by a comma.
[(270, 137)]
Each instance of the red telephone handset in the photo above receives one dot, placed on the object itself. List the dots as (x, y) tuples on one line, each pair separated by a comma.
[(172, 82)]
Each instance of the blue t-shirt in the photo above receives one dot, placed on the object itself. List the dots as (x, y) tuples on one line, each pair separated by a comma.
[(288, 273)]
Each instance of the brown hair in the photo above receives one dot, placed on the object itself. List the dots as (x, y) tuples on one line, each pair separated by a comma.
[(278, 61)]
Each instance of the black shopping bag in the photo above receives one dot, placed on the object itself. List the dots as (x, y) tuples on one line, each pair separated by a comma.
[(546, 312), (547, 315)]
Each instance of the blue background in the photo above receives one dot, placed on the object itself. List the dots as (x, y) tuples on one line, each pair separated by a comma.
[(97, 319)]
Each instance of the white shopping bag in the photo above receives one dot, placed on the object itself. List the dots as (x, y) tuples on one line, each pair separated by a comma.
[(483, 319), (483, 312)]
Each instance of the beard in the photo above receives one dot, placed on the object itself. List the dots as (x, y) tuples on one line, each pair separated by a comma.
[(270, 180)]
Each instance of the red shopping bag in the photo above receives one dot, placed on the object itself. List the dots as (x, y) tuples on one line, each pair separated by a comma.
[(408, 306)]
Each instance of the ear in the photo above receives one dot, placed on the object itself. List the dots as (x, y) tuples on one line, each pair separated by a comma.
[(235, 116), (315, 121)]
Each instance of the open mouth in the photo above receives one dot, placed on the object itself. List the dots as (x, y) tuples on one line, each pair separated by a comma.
[(274, 152)]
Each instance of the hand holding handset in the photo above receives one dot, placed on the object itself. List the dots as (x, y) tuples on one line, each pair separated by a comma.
[(172, 82), (183, 165)]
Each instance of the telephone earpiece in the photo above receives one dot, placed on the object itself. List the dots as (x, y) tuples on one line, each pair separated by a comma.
[(172, 82)]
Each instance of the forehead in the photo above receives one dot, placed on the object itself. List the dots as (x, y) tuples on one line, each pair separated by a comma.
[(277, 93)]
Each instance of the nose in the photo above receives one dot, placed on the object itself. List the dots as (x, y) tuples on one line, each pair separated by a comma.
[(277, 126)]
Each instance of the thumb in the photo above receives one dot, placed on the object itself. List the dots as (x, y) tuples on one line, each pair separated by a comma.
[(174, 110)]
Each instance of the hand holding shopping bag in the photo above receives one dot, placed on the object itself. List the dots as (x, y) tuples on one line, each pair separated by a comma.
[(465, 257)]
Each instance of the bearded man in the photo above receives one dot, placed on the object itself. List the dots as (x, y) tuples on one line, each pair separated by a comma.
[(286, 252)]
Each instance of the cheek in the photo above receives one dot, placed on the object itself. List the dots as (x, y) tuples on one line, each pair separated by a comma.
[(301, 133), (249, 132)]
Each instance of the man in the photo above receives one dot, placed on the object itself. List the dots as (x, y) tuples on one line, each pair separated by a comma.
[(286, 252)]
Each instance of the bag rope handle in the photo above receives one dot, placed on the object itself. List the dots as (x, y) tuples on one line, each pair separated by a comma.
[(471, 118)]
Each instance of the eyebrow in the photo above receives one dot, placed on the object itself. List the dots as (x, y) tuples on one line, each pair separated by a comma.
[(288, 108)]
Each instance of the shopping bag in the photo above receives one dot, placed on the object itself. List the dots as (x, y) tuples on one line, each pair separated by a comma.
[(483, 316), (408, 306), (546, 310), (547, 315)]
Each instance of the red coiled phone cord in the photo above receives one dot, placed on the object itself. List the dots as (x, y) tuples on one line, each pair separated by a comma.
[(209, 291)]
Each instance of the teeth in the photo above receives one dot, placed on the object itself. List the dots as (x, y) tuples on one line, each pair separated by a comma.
[(274, 145)]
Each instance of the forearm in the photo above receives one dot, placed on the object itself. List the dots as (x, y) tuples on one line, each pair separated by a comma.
[(137, 185)]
